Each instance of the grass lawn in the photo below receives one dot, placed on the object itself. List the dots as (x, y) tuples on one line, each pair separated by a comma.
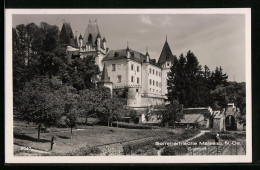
[(87, 136)]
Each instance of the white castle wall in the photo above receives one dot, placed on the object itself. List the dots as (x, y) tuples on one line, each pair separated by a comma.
[(121, 70)]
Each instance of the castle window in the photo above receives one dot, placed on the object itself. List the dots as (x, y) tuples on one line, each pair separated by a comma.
[(136, 90), (150, 89), (156, 73), (150, 70), (150, 82), (157, 83), (113, 67), (137, 68), (132, 79), (168, 64), (132, 67), (119, 79), (153, 71), (137, 80), (153, 82)]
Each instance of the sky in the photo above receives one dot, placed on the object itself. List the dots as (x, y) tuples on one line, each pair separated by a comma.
[(215, 39)]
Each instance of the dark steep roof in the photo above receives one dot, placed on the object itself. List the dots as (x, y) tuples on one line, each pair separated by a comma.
[(93, 30), (104, 76), (166, 54), (80, 37), (66, 35), (119, 54)]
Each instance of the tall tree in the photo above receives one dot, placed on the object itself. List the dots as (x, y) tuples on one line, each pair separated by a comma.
[(172, 114), (40, 102)]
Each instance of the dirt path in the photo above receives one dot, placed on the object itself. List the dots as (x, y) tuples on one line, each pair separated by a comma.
[(201, 133)]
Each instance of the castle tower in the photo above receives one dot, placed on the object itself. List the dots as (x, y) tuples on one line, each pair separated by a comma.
[(92, 44), (66, 36), (166, 60), (105, 82)]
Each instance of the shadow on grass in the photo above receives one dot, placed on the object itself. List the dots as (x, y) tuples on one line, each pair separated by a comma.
[(25, 137), (64, 137)]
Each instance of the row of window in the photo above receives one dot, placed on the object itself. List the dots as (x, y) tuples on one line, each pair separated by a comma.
[(119, 79), (133, 67), (157, 73), (158, 84), (153, 90)]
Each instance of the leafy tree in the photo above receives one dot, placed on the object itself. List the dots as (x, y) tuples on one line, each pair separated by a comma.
[(173, 113), (71, 120), (110, 109), (218, 98), (40, 102), (72, 109)]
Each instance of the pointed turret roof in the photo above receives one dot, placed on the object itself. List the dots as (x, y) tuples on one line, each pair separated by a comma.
[(80, 37), (104, 76), (66, 35), (93, 30), (166, 54)]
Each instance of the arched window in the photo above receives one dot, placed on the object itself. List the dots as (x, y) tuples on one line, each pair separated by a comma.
[(150, 81), (132, 79), (157, 83), (137, 68), (150, 70), (137, 80), (132, 67), (156, 73), (153, 82)]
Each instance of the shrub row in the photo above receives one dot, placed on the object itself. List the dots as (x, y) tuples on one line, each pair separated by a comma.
[(175, 150), (132, 126), (84, 151)]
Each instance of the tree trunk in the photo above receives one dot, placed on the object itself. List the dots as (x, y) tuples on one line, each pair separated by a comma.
[(39, 132), (86, 121), (70, 132)]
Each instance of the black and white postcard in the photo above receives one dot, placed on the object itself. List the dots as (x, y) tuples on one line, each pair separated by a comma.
[(128, 85)]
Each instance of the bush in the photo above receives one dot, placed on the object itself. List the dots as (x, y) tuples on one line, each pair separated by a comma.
[(128, 149), (85, 151), (175, 150), (132, 126), (168, 151), (227, 137)]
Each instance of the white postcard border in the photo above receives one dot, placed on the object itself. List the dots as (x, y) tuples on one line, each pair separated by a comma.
[(10, 158)]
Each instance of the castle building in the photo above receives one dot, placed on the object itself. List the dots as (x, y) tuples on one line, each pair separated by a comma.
[(128, 73)]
